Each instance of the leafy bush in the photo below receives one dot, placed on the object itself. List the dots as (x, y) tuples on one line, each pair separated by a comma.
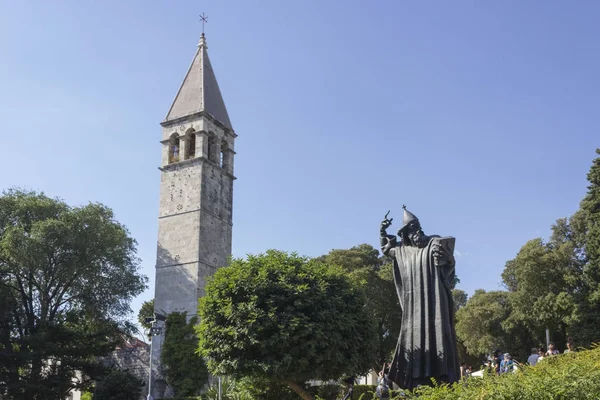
[(182, 398), (264, 389), (364, 392), (327, 392), (573, 376), (87, 396), (118, 385), (231, 390), (184, 370)]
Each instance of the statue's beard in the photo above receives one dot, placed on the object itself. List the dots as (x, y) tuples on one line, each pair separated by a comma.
[(418, 239)]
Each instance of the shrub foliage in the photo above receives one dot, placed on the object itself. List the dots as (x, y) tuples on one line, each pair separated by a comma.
[(118, 385), (184, 369), (285, 318), (573, 376)]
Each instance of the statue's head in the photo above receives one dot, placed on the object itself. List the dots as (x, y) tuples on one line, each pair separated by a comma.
[(411, 232)]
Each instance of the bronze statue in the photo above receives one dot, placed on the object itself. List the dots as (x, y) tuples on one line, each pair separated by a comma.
[(424, 277)]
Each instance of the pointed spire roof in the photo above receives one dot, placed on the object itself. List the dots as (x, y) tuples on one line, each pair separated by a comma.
[(200, 90)]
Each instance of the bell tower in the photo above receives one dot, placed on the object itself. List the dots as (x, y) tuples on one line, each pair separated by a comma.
[(196, 191)]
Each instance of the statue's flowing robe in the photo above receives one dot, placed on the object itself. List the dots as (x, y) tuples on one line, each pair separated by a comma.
[(427, 343)]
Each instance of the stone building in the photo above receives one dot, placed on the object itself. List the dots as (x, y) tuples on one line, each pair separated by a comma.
[(131, 356), (196, 194)]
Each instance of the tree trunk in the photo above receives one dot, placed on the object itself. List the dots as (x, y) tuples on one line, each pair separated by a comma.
[(300, 390)]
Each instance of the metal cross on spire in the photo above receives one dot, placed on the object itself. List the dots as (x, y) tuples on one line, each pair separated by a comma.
[(204, 19)]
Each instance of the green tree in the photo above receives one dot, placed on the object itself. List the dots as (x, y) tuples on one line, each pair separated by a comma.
[(459, 298), (118, 385), (590, 206), (286, 318), (556, 284), (585, 232), (184, 369), (481, 326), (146, 311), (355, 258), (381, 300), (542, 284), (67, 275), (479, 322)]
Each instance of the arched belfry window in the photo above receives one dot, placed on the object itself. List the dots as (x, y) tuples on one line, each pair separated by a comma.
[(174, 148), (213, 149), (190, 143), (224, 157)]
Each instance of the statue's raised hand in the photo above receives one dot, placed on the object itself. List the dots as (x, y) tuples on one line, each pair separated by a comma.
[(386, 222)]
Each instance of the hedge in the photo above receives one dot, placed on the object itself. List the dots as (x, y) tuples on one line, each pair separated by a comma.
[(573, 376), (327, 392), (364, 392), (181, 398)]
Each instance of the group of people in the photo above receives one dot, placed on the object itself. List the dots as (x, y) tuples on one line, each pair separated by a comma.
[(501, 363), (538, 354)]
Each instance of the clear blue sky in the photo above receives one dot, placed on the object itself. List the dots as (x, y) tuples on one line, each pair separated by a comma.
[(482, 117)]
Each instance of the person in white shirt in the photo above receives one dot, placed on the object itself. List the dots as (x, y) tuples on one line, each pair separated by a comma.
[(540, 355)]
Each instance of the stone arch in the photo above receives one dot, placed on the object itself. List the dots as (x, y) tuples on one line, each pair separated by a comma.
[(224, 159), (174, 148), (160, 387), (190, 144)]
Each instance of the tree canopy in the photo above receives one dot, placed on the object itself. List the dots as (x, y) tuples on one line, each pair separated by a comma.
[(553, 284), (146, 311), (479, 322), (355, 258), (285, 318), (67, 275), (584, 231), (459, 299), (365, 266), (542, 286), (556, 284)]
